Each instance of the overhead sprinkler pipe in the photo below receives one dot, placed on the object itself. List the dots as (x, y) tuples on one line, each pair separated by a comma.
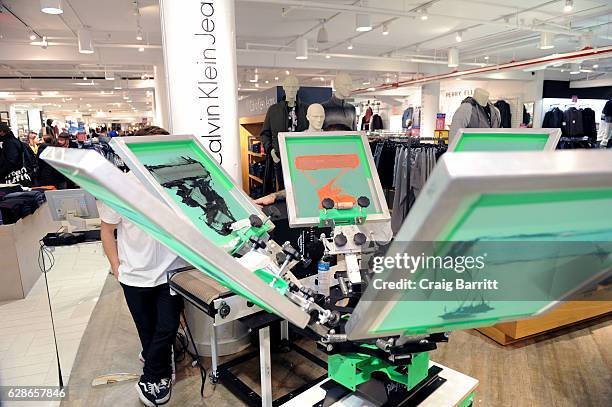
[(567, 57)]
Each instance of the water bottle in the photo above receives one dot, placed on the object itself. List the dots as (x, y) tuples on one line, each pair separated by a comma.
[(323, 277)]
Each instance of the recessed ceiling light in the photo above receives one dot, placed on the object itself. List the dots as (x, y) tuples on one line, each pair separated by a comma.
[(301, 48), (51, 6), (33, 36), (459, 36), (141, 49), (453, 58), (267, 81), (349, 46), (595, 66), (287, 72), (423, 14), (486, 57), (85, 41), (363, 22), (546, 40), (575, 69), (327, 56), (139, 35), (276, 78), (385, 30)]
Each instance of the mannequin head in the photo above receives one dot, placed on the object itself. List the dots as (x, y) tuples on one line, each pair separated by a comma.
[(291, 85), (481, 96), (316, 117), (344, 85)]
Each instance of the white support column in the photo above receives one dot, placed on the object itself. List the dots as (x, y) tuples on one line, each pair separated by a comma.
[(161, 97), (430, 105), (538, 106), (265, 367), (199, 46), (214, 351)]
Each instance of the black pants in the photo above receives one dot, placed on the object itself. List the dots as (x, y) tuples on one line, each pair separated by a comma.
[(156, 314)]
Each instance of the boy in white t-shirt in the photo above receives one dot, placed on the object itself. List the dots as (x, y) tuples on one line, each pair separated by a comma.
[(140, 263)]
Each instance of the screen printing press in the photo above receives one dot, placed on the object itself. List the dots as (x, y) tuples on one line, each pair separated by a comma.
[(377, 342)]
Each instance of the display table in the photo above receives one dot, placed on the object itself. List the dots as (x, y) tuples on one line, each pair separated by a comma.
[(19, 248), (592, 305)]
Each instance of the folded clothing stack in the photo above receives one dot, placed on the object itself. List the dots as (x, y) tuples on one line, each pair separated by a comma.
[(16, 204)]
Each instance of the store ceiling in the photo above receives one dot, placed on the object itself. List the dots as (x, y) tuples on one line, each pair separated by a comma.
[(266, 35)]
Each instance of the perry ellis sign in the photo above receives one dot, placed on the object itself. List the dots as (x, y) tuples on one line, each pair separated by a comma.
[(200, 57)]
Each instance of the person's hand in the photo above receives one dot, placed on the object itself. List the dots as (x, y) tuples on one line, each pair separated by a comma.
[(115, 271), (266, 200), (275, 156)]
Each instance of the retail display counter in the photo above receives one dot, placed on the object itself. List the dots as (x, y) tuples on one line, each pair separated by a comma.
[(19, 246)]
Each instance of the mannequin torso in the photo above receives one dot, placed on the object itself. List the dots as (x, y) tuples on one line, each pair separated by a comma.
[(340, 115)]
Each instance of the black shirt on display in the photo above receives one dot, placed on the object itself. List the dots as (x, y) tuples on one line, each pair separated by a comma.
[(11, 155), (339, 115)]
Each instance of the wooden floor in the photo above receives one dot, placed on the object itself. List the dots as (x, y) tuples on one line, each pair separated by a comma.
[(572, 367)]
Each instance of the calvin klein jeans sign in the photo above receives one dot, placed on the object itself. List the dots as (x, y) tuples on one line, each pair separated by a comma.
[(200, 58)]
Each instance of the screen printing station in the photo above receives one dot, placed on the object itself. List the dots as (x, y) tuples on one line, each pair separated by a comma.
[(377, 343)]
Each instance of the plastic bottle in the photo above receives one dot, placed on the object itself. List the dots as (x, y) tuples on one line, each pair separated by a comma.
[(323, 277)]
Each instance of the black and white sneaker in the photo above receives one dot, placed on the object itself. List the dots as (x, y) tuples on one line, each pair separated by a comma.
[(153, 394)]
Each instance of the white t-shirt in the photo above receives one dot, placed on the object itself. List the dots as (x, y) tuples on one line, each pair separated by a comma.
[(143, 261)]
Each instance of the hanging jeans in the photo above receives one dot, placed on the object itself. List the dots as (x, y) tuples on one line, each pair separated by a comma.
[(402, 189)]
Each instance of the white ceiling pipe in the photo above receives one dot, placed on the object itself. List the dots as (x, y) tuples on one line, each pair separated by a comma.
[(399, 13), (421, 60), (597, 53)]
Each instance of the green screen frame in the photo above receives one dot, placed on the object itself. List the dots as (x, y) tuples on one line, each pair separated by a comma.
[(131, 199), (522, 139), (135, 150), (337, 139), (464, 183)]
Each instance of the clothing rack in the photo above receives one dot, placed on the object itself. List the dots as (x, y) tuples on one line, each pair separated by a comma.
[(404, 164), (404, 137)]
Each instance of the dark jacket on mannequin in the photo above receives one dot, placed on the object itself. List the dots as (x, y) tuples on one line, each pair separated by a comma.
[(506, 113), (11, 155), (339, 115), (277, 120)]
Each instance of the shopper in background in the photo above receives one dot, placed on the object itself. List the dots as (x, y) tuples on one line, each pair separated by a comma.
[(33, 142), (49, 130), (63, 140), (141, 263), (12, 169), (47, 175)]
